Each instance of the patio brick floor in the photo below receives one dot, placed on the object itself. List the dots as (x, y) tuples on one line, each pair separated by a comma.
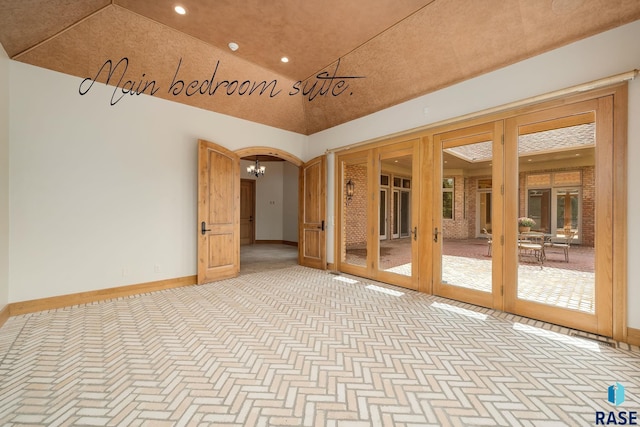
[(466, 263)]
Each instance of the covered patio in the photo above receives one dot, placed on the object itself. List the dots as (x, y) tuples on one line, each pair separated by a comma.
[(467, 263)]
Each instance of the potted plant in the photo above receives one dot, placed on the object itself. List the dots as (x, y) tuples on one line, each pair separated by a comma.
[(525, 224)]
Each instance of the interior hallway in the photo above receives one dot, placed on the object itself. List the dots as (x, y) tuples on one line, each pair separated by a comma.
[(267, 256), (297, 346)]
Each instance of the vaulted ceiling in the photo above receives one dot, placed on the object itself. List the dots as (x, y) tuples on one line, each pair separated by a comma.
[(347, 59)]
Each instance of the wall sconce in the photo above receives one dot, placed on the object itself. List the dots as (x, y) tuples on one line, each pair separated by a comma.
[(350, 187)]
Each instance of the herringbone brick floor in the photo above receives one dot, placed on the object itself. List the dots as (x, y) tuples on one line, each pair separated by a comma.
[(302, 347)]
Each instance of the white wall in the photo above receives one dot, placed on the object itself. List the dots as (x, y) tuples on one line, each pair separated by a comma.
[(103, 196), (4, 178), (615, 51), (276, 201), (290, 201), (269, 199)]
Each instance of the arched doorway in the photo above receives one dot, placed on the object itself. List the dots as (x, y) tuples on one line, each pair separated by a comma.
[(268, 209)]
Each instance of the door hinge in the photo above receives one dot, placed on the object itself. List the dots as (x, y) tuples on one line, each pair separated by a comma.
[(501, 240), (502, 139), (501, 291), (502, 189)]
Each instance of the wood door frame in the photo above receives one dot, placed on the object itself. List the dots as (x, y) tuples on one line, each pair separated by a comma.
[(492, 131), (619, 262), (371, 159), (253, 208), (387, 219), (358, 158), (408, 147), (269, 151), (601, 322)]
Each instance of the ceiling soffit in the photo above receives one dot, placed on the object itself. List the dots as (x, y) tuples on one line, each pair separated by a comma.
[(433, 47)]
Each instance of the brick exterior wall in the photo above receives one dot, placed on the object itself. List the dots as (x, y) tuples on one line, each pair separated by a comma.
[(464, 226), (459, 226), (586, 228), (355, 211)]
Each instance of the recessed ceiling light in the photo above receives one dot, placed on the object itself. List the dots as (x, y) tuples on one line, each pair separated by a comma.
[(180, 10), (530, 160), (233, 46), (284, 59), (565, 6)]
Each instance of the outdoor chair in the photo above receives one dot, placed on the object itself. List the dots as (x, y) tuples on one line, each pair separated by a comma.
[(563, 243), (532, 245), (489, 240)]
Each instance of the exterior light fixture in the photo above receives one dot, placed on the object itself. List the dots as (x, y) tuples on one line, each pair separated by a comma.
[(350, 187), (256, 170)]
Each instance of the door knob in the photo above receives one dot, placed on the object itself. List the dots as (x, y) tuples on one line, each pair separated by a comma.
[(203, 228)]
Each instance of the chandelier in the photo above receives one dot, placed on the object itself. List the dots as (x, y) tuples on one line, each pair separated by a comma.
[(256, 170)]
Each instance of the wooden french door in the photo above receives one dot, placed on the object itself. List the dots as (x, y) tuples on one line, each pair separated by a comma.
[(561, 163), (564, 153), (465, 268), (218, 213), (379, 219), (395, 260), (247, 211), (312, 214)]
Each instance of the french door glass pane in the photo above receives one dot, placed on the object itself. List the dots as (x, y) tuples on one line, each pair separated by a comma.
[(540, 208), (383, 214), (396, 218), (556, 256), (405, 211), (567, 202), (466, 247), (484, 214), (395, 251)]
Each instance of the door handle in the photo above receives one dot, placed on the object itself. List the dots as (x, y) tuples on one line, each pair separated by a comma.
[(322, 225), (415, 233), (251, 218), (203, 228), (435, 235)]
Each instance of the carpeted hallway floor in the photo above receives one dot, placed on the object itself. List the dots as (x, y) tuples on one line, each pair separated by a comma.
[(297, 346)]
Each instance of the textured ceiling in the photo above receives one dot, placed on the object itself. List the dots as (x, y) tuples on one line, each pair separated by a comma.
[(347, 59)]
